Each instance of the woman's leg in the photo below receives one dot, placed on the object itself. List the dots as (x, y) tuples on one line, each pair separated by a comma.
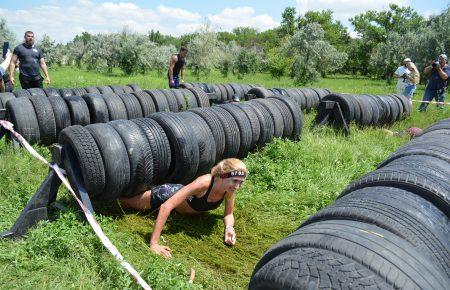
[(139, 202)]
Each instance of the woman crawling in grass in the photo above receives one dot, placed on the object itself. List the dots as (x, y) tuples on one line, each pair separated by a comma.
[(204, 193)]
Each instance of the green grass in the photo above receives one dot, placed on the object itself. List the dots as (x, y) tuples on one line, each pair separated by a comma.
[(288, 182)]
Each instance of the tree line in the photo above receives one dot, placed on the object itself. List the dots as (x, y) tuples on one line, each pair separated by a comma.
[(303, 47)]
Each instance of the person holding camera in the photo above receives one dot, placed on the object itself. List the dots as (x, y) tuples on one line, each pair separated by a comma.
[(31, 60), (3, 67), (438, 72), (400, 74)]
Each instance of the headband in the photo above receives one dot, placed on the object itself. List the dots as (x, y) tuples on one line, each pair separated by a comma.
[(234, 174)]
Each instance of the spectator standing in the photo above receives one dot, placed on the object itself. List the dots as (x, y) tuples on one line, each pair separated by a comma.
[(31, 61), (412, 80), (400, 74)]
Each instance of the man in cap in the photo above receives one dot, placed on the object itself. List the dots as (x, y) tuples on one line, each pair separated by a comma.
[(400, 74), (438, 72)]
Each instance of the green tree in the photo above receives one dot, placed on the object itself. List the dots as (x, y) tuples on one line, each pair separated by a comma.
[(78, 48), (54, 53), (313, 56), (277, 63), (246, 61), (6, 34), (204, 52), (373, 28), (335, 33), (287, 26)]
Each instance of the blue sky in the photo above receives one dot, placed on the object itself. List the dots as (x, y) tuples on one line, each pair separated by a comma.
[(62, 19)]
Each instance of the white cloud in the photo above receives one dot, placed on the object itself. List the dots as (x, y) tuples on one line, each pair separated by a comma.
[(230, 18), (177, 13)]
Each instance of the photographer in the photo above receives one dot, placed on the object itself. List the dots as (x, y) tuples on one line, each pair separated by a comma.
[(438, 72)]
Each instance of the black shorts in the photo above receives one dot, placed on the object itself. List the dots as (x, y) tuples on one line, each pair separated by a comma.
[(30, 82), (161, 193)]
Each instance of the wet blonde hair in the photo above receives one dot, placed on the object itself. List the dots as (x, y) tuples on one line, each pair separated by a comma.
[(228, 165)]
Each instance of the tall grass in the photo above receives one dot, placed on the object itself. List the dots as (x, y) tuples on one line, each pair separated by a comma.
[(288, 181)]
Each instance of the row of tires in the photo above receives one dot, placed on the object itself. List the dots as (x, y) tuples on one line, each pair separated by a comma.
[(366, 110), (126, 157), (40, 119), (306, 98), (223, 92), (67, 92), (389, 229)]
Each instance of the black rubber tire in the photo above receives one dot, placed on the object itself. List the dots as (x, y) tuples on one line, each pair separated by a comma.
[(139, 155), (401, 212), (21, 113), (146, 102), (115, 159), (288, 121), (205, 141), (399, 106), (216, 129), (171, 100), (21, 93), (159, 99), (254, 122), (375, 253), (223, 93), (276, 116), (92, 90), (61, 112), (127, 89), (159, 144), (4, 98), (443, 124), (116, 107), (432, 165), (296, 114), (191, 100), (105, 90), (407, 108), (229, 90), (132, 106), (201, 97), (238, 91), (308, 98), (117, 89), (66, 92), (213, 88), (394, 109), (181, 101), (265, 122), (297, 97), (231, 130), (245, 129), (37, 92), (88, 156), (79, 111), (79, 91), (260, 92), (50, 92), (420, 182), (183, 147), (46, 119), (98, 111), (135, 87)]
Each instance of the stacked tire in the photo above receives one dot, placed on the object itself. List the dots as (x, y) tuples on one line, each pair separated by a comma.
[(223, 92), (40, 119), (389, 229), (126, 157), (366, 110), (306, 98)]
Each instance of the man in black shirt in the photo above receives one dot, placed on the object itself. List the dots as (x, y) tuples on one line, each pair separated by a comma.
[(177, 64), (31, 59)]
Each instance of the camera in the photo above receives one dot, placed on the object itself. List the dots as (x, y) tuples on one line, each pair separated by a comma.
[(435, 64)]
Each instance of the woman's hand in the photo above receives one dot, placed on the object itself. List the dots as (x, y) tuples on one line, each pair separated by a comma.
[(230, 236), (161, 250)]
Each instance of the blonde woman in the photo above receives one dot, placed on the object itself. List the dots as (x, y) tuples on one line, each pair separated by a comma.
[(412, 80), (205, 193)]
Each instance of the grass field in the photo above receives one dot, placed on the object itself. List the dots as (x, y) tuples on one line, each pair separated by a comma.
[(288, 182)]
